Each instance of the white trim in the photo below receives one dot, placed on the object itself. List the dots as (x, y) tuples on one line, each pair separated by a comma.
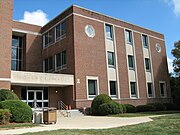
[(26, 31), (5, 79), (165, 91), (116, 64), (92, 78), (151, 66), (135, 66), (57, 23), (119, 26), (112, 17)]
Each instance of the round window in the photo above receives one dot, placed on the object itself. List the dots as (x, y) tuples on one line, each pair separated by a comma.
[(89, 30), (158, 47)]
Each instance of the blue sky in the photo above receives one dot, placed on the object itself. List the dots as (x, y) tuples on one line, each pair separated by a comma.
[(159, 15)]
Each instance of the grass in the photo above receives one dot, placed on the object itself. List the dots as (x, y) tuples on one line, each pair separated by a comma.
[(164, 125), (139, 114), (17, 125)]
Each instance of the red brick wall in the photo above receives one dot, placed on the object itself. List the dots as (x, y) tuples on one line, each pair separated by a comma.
[(90, 56), (6, 9)]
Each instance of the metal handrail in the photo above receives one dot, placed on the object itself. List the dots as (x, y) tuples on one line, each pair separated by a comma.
[(61, 105)]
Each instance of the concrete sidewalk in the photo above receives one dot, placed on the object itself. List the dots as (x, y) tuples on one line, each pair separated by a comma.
[(82, 122)]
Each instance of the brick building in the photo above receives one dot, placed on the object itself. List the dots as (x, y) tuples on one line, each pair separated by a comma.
[(78, 55)]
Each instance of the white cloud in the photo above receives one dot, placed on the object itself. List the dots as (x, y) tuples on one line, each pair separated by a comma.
[(37, 17), (176, 6), (170, 65)]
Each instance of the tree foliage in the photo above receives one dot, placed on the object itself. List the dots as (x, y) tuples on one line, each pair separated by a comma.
[(176, 53)]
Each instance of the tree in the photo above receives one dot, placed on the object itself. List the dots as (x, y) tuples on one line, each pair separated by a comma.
[(176, 62)]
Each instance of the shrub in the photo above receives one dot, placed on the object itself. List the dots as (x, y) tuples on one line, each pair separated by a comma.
[(124, 108), (4, 116), (97, 101), (110, 108), (130, 108), (21, 112), (158, 106), (171, 106), (7, 95), (145, 108)]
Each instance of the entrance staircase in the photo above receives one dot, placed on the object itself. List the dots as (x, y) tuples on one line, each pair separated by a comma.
[(65, 111)]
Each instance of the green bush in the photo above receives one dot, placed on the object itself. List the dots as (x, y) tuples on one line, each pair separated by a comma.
[(171, 106), (145, 108), (110, 108), (124, 108), (7, 95), (158, 106), (4, 116), (130, 108), (97, 101), (21, 112)]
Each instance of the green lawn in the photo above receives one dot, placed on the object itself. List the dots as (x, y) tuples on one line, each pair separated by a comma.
[(139, 114), (165, 125), (17, 125)]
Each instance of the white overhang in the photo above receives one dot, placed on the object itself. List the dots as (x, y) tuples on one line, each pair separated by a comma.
[(41, 79)]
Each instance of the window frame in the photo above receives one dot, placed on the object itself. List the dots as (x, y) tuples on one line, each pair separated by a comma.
[(145, 41), (116, 89), (62, 34), (152, 91), (132, 60), (63, 64), (113, 59), (136, 93), (48, 64), (95, 78), (19, 53), (129, 38), (111, 31), (148, 67), (164, 89)]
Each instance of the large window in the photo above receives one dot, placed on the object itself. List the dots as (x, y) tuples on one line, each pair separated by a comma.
[(92, 88), (48, 38), (128, 37), (150, 91), (16, 61), (148, 65), (162, 89), (111, 62), (133, 89), (48, 64), (61, 60), (61, 31), (113, 88), (109, 34), (131, 61), (145, 41)]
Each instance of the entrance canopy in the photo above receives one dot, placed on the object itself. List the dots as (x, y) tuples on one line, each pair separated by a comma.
[(40, 79)]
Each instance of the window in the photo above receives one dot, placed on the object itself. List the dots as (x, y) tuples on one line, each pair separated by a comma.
[(133, 89), (128, 37), (48, 64), (92, 88), (111, 62), (147, 63), (150, 91), (113, 89), (131, 61), (61, 31), (48, 38), (61, 60), (108, 31), (145, 41), (16, 57), (162, 89)]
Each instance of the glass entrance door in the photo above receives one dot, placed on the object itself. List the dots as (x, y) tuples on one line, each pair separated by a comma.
[(35, 98)]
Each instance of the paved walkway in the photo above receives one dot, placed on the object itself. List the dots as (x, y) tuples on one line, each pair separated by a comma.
[(81, 122)]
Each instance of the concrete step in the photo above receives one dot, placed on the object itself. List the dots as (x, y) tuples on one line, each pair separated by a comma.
[(69, 113)]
